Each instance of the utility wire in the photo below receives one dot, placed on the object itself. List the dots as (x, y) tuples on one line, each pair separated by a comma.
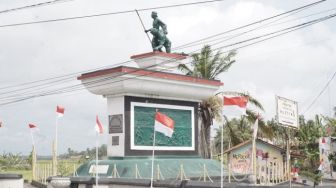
[(300, 25), (108, 14), (71, 74), (65, 90), (227, 38), (320, 93), (256, 22), (34, 5), (80, 86)]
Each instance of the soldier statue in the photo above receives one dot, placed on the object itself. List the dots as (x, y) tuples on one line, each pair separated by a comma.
[(159, 35)]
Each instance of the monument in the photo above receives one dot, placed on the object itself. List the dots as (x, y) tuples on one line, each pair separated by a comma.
[(133, 96), (159, 35)]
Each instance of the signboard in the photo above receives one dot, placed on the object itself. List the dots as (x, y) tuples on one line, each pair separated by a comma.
[(102, 169), (287, 112), (241, 162)]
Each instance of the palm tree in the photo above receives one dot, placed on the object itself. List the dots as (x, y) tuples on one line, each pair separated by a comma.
[(208, 65), (239, 130)]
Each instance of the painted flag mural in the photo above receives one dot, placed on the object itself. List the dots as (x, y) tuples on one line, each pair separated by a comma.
[(99, 126), (164, 124), (234, 106), (60, 111)]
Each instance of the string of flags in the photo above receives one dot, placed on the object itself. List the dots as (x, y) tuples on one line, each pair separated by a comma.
[(60, 113)]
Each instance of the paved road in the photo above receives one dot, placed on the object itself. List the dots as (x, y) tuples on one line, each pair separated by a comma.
[(27, 185)]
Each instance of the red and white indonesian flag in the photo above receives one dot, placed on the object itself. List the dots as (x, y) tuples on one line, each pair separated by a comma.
[(234, 106), (32, 126), (99, 126), (164, 124), (60, 111)]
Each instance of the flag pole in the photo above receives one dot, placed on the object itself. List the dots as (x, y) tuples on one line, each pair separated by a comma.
[(222, 138), (33, 155), (55, 148), (32, 137), (97, 160), (152, 176)]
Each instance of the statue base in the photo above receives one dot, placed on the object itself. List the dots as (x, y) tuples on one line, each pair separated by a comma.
[(164, 168)]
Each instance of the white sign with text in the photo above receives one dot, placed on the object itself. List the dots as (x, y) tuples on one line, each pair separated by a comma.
[(287, 112)]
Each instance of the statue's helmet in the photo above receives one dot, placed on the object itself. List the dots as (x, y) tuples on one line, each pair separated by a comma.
[(154, 14)]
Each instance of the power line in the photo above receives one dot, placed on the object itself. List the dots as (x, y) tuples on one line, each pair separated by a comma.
[(320, 93), (34, 5), (108, 14), (293, 28), (270, 24), (80, 86), (256, 22), (293, 11)]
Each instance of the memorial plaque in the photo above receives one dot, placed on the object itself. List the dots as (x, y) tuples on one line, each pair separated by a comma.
[(115, 140), (116, 123)]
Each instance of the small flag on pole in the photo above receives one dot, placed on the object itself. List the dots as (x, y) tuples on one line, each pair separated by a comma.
[(60, 111), (99, 126), (32, 126), (234, 106), (164, 124)]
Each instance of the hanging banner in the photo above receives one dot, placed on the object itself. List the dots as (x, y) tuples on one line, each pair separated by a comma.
[(287, 112)]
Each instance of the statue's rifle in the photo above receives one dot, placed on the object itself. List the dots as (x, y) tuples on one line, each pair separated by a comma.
[(143, 26)]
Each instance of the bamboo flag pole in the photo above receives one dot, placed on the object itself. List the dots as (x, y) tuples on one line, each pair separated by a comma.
[(31, 127), (222, 157), (97, 159), (55, 145), (34, 163), (153, 153), (288, 158)]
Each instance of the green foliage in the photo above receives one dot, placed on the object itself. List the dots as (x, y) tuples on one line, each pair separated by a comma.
[(314, 177), (208, 65), (307, 140), (88, 153), (13, 161)]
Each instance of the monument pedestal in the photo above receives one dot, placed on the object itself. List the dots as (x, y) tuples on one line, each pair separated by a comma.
[(133, 97)]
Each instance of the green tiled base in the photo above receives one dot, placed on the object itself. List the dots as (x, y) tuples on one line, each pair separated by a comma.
[(170, 167)]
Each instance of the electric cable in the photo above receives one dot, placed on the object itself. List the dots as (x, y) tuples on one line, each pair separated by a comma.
[(108, 14), (34, 5), (60, 91), (293, 10)]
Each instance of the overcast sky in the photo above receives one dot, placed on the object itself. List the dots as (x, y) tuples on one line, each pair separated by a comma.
[(295, 66)]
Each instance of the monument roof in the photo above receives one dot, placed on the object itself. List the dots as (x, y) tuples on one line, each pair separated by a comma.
[(149, 73)]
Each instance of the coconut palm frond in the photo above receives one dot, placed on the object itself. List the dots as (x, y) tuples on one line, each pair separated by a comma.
[(184, 68)]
